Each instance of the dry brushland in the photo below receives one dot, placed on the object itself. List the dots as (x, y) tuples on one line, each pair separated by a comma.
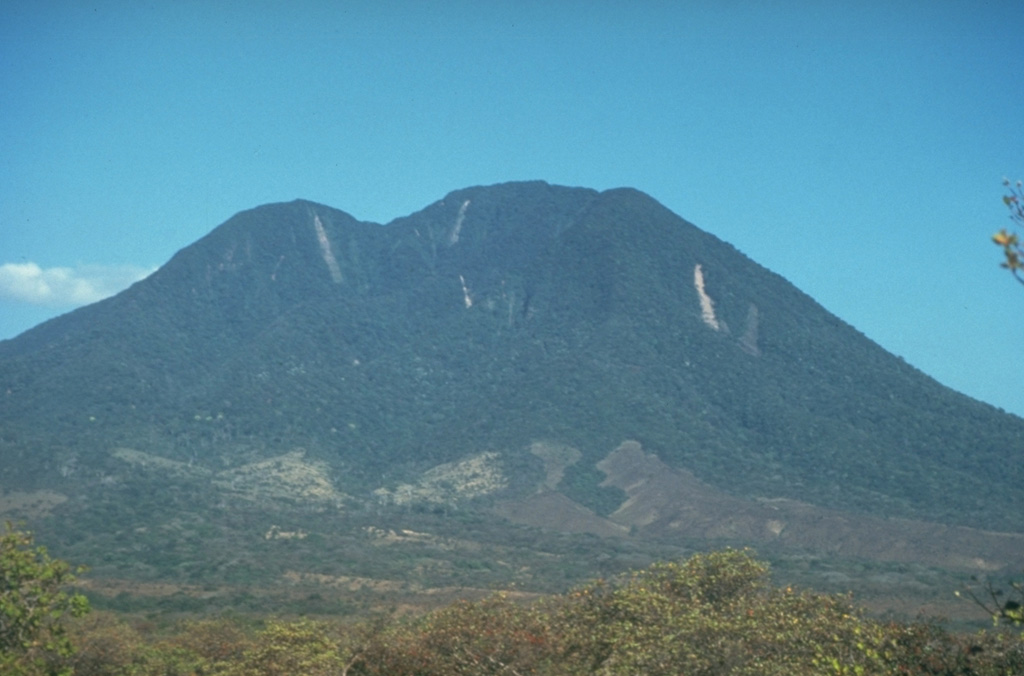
[(713, 613)]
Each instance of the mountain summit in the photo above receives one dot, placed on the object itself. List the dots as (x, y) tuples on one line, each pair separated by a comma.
[(516, 334)]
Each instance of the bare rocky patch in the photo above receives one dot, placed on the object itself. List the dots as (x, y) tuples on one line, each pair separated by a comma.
[(290, 476), (668, 503), (557, 457), (450, 483)]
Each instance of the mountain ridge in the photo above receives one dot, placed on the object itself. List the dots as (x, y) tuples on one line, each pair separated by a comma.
[(494, 319)]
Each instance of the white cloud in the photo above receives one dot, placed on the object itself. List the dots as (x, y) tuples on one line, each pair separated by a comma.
[(66, 287)]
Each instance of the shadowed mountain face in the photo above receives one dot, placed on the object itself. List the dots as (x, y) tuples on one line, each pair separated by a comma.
[(493, 319)]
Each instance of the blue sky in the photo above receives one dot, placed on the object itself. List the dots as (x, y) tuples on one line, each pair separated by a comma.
[(856, 148)]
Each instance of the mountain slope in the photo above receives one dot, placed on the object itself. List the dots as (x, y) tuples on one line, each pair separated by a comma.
[(495, 318)]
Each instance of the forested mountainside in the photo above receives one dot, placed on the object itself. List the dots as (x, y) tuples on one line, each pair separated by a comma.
[(469, 363), (491, 319)]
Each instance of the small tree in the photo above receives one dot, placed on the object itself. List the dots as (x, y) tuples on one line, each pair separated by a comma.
[(33, 605), (1001, 605), (1013, 247)]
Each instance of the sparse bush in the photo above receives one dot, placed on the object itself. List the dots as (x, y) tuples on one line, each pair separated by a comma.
[(1003, 605), (104, 646)]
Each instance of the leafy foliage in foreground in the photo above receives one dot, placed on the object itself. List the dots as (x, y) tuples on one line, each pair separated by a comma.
[(33, 605), (714, 613), (1013, 248), (1002, 605)]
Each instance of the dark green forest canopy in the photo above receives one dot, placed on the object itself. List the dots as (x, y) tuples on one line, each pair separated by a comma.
[(295, 325), (290, 395)]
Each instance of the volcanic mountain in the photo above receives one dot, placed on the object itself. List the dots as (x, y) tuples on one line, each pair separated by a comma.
[(506, 347)]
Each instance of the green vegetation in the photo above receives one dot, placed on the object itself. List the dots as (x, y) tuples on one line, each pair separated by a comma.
[(585, 329), (710, 614), (34, 607), (582, 483), (130, 429)]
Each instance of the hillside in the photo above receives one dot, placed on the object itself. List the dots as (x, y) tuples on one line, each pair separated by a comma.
[(414, 367)]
